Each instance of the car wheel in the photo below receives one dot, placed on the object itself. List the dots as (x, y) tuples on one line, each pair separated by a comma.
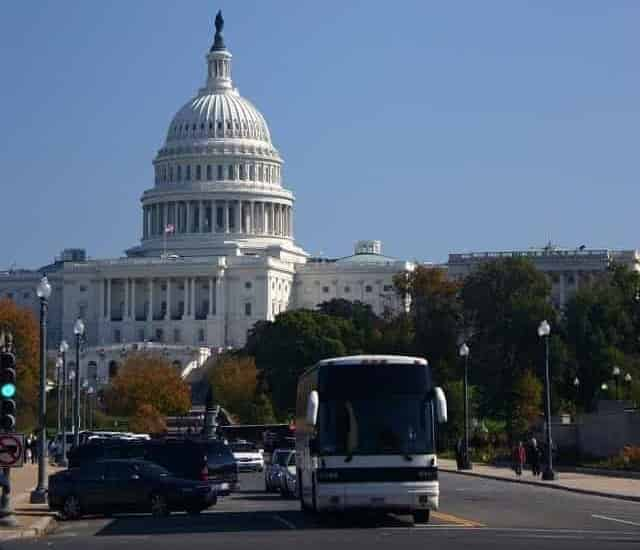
[(71, 508), (421, 516), (159, 507)]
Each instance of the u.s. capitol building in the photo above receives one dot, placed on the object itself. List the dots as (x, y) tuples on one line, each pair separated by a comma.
[(217, 250)]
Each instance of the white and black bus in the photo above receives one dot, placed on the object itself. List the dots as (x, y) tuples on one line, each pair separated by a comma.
[(365, 435)]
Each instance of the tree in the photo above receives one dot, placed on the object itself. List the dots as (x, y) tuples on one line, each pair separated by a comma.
[(436, 312), (234, 381), (504, 301), (148, 379), (602, 323), (527, 408), (23, 326), (296, 340), (148, 420)]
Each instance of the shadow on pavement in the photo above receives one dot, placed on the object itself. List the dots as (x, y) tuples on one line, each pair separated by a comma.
[(228, 522)]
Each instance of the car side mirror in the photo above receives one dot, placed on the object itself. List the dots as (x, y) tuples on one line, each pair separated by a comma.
[(441, 405), (314, 448), (312, 408)]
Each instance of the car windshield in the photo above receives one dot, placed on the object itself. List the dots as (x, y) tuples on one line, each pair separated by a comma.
[(244, 448), (281, 459), (400, 424)]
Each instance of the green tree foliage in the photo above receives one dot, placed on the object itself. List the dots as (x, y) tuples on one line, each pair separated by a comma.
[(296, 340), (436, 314), (148, 379), (602, 323), (504, 301), (527, 403)]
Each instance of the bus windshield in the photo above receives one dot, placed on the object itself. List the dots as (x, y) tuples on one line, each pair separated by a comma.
[(393, 424)]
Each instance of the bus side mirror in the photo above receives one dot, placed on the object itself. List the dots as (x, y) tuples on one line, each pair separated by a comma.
[(441, 405), (312, 408)]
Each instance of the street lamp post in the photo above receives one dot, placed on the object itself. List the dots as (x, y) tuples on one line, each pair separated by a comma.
[(83, 404), (627, 381), (64, 348), (39, 494), (543, 332), (466, 462), (89, 420), (78, 330), (59, 399), (616, 376)]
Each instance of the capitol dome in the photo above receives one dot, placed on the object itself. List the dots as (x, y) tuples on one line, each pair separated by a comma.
[(218, 176)]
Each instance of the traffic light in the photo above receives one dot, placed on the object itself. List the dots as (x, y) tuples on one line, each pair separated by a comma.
[(7, 391)]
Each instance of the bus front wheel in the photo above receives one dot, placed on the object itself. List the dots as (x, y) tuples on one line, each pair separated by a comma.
[(421, 516)]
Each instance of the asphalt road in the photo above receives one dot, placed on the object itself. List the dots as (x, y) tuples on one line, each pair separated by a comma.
[(475, 514)]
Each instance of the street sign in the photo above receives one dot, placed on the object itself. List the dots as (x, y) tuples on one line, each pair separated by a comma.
[(11, 450)]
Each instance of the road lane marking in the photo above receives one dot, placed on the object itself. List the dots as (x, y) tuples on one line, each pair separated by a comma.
[(283, 521), (625, 521), (457, 520)]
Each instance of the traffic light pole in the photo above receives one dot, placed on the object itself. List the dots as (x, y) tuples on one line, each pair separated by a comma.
[(7, 518), (76, 397), (39, 494)]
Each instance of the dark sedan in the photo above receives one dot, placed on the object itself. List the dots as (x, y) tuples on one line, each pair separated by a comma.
[(108, 486)]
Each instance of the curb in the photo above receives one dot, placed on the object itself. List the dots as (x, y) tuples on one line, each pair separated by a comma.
[(539, 484), (39, 528)]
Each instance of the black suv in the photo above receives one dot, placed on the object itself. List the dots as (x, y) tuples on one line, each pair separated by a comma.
[(196, 459)]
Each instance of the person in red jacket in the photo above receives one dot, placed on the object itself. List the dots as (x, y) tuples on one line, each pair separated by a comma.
[(519, 458)]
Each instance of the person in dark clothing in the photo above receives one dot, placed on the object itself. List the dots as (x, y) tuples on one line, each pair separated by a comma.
[(459, 454), (533, 453), (519, 458)]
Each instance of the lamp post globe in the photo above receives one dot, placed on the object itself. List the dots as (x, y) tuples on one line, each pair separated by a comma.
[(576, 382), (78, 330), (544, 330), (39, 494), (43, 290), (464, 460)]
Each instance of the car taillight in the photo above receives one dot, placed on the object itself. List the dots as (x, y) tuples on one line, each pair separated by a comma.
[(204, 474)]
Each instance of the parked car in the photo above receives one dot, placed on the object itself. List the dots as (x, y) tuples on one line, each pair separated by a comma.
[(247, 455), (195, 459), (107, 486), (288, 486), (273, 470)]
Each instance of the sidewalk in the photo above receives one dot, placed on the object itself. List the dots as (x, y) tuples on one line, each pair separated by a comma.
[(33, 519), (623, 488)]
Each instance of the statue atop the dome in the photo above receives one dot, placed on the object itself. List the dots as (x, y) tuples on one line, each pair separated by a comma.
[(218, 40)]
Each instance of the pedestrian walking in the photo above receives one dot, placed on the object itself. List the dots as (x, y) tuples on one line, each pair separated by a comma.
[(459, 453), (34, 449), (533, 453), (519, 458)]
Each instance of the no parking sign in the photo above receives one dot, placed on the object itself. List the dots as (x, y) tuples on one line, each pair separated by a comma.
[(11, 450)]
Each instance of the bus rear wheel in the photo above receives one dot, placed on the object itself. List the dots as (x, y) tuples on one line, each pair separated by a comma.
[(421, 516)]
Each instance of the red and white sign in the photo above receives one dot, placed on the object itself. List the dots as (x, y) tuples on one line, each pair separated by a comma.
[(11, 450)]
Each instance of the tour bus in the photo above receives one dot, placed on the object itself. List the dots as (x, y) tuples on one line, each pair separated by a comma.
[(366, 435)]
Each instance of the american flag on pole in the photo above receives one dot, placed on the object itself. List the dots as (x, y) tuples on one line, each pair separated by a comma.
[(170, 228)]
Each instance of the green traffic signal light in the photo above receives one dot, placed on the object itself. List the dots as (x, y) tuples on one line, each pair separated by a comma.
[(8, 390)]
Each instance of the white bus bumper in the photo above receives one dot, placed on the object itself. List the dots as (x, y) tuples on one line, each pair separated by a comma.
[(400, 497)]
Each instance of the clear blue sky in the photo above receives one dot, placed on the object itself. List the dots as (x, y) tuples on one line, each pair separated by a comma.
[(435, 127)]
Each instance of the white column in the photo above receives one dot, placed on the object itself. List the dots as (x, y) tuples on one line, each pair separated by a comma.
[(188, 216), (133, 299), (150, 295), (211, 283), (125, 313), (193, 297), (167, 315), (108, 299), (226, 216), (201, 217), (238, 216), (291, 221)]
